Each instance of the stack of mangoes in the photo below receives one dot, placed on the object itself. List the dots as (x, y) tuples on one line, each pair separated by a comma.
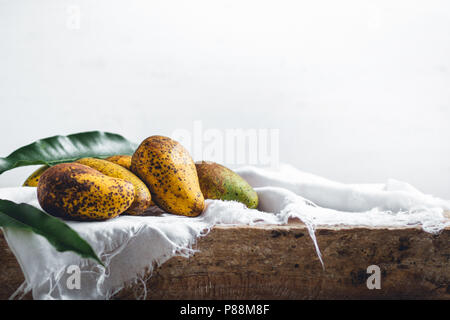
[(161, 172)]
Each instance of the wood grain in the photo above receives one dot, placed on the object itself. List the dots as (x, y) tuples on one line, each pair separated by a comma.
[(279, 262)]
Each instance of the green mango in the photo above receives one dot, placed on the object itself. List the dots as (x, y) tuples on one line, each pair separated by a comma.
[(219, 182)]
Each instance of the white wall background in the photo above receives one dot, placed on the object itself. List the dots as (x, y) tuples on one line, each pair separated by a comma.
[(360, 90)]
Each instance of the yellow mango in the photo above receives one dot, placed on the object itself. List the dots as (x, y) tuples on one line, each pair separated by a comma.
[(75, 191), (33, 179), (122, 160), (142, 196), (169, 172)]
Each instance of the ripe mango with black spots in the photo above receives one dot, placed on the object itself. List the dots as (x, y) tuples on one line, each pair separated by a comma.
[(122, 160), (78, 192), (169, 172), (33, 179), (219, 182), (142, 196)]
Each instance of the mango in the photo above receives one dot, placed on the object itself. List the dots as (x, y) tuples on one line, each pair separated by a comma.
[(142, 196), (33, 179), (169, 172), (219, 182), (78, 192), (122, 160)]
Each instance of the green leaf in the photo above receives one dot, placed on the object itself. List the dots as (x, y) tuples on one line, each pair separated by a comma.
[(60, 149), (59, 234)]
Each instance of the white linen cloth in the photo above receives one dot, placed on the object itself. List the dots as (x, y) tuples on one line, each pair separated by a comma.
[(129, 246)]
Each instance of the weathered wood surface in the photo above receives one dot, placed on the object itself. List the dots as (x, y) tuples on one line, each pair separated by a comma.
[(279, 262)]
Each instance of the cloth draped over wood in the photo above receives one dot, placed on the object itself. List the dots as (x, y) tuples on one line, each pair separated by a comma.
[(130, 246)]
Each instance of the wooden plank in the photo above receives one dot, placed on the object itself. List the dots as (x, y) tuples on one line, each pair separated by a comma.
[(279, 262), (11, 276)]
